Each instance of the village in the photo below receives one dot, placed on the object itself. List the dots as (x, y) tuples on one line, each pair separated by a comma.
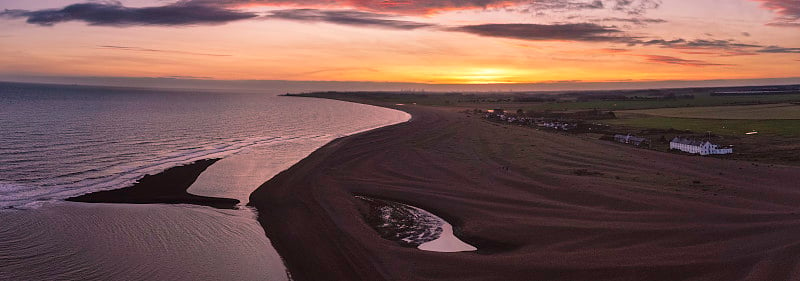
[(589, 122)]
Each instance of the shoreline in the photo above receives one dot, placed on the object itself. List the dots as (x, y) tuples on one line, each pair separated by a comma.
[(167, 187), (517, 191)]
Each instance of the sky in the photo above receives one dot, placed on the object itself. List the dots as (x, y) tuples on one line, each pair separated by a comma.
[(409, 41)]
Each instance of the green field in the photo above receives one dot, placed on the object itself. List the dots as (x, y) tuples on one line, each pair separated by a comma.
[(699, 100), (782, 111), (731, 127)]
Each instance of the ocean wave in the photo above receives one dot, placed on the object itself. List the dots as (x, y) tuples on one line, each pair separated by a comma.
[(31, 195)]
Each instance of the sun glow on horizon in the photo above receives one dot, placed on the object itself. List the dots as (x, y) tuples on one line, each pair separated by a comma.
[(359, 41)]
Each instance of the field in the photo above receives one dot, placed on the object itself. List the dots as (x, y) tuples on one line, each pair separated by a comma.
[(701, 99), (767, 119), (780, 111), (729, 127)]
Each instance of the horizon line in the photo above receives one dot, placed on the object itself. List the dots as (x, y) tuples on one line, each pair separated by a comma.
[(340, 85)]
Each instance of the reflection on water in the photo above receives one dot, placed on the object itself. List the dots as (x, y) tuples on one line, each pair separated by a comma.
[(77, 241), (62, 141), (412, 226)]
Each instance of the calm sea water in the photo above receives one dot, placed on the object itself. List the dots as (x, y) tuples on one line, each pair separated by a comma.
[(61, 141)]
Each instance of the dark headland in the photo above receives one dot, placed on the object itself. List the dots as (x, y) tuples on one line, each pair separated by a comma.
[(519, 196), (168, 187)]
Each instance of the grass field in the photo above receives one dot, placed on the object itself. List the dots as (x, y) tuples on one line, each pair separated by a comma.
[(731, 127), (699, 100), (781, 111)]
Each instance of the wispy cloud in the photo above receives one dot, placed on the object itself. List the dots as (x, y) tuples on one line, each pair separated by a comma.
[(779, 50), (678, 61), (138, 49), (630, 7), (590, 32), (697, 44), (635, 20), (788, 12), (186, 77), (115, 14), (383, 6), (346, 17)]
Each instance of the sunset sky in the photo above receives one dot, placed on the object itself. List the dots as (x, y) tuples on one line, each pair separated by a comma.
[(440, 42)]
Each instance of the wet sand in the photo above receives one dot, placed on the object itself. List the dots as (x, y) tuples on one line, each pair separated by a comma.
[(167, 187), (520, 196)]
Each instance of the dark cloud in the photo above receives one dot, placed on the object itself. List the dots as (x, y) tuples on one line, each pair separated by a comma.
[(589, 32), (191, 12), (635, 7), (567, 5), (779, 50), (391, 6), (678, 61), (114, 14), (138, 49), (631, 7), (788, 12), (696, 44), (570, 32), (350, 17), (706, 46)]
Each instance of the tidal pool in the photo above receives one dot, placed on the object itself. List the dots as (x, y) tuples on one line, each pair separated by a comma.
[(412, 226)]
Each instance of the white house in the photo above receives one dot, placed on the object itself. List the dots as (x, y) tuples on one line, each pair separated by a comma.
[(697, 147)]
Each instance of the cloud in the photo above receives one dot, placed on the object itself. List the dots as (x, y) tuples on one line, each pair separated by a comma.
[(346, 17), (630, 7), (390, 6), (705, 46), (138, 49), (588, 32), (678, 61), (788, 12), (779, 50), (636, 21), (193, 12), (633, 7), (114, 14), (613, 50), (567, 5), (186, 77), (696, 44)]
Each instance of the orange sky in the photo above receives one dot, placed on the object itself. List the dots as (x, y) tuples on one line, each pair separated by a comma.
[(416, 41)]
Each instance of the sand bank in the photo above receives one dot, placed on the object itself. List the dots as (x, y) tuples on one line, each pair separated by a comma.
[(167, 187)]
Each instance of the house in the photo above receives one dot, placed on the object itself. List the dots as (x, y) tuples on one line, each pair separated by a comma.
[(628, 139), (697, 147), (557, 125)]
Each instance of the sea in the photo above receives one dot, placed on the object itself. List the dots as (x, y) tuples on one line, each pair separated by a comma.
[(60, 141)]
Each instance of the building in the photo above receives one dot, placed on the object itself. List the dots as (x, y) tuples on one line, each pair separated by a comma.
[(628, 139), (697, 147), (557, 125)]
